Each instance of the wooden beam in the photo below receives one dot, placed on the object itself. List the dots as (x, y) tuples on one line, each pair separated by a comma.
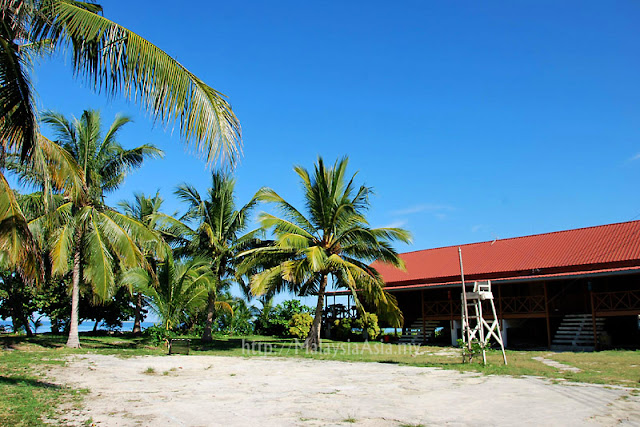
[(450, 307), (546, 314), (593, 321), (424, 321)]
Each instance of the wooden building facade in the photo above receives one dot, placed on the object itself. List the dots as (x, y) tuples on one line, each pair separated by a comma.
[(574, 289)]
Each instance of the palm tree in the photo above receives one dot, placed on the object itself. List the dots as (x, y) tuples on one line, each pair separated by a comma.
[(50, 169), (333, 240), (85, 233), (144, 210), (217, 233), (110, 58), (180, 290)]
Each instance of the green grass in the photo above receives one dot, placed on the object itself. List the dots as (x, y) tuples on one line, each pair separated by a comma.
[(27, 396)]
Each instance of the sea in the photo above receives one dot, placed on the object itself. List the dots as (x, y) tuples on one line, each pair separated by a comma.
[(82, 327)]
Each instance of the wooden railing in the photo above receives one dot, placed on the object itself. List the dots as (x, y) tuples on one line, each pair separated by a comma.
[(532, 304), (621, 301), (522, 305), (441, 308)]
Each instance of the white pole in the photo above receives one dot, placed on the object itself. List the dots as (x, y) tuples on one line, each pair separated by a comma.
[(465, 321)]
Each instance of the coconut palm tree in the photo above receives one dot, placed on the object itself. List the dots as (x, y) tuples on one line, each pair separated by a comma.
[(109, 58), (333, 240), (85, 233), (50, 169), (217, 233), (143, 209), (147, 211), (179, 291)]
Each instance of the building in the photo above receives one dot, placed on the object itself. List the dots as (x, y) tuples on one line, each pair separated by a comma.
[(575, 289)]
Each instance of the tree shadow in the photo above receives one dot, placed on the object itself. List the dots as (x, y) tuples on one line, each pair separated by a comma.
[(97, 344), (50, 341), (28, 381), (231, 344)]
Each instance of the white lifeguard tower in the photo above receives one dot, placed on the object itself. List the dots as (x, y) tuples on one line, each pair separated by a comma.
[(475, 329)]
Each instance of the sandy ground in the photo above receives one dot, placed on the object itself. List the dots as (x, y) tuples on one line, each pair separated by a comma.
[(229, 391)]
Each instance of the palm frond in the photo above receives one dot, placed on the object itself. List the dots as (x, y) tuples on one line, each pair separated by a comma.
[(17, 247), (98, 271), (291, 213), (282, 227), (61, 251), (115, 59), (18, 124)]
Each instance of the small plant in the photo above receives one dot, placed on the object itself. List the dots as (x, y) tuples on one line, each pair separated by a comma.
[(368, 322), (300, 324), (350, 420), (476, 349), (342, 328), (149, 371), (158, 334)]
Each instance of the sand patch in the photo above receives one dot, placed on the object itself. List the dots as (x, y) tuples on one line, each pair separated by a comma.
[(212, 390)]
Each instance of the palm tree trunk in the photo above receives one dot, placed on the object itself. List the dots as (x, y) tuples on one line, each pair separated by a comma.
[(137, 330), (74, 340), (211, 306), (313, 339)]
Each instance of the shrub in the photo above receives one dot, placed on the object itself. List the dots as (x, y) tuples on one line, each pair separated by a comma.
[(276, 320), (158, 334), (342, 328), (368, 322), (300, 325)]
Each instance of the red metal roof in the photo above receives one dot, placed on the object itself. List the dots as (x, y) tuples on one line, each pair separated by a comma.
[(584, 249)]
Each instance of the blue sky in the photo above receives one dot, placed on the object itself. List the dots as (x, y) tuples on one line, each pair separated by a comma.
[(471, 120)]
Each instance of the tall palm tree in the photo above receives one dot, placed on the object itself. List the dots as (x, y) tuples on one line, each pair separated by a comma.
[(143, 209), (179, 291), (217, 233), (333, 240), (86, 234), (109, 58)]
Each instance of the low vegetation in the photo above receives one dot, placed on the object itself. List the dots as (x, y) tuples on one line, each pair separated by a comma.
[(28, 397), (31, 397)]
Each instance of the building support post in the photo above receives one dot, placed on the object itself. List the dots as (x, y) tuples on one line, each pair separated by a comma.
[(593, 321), (546, 314), (503, 332), (454, 332), (424, 321), (499, 289)]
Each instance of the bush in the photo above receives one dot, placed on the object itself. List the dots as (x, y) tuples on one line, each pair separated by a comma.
[(276, 321), (368, 322), (300, 325), (158, 334), (342, 328)]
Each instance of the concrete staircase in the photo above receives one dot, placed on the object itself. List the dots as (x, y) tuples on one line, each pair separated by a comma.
[(414, 333), (575, 333)]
